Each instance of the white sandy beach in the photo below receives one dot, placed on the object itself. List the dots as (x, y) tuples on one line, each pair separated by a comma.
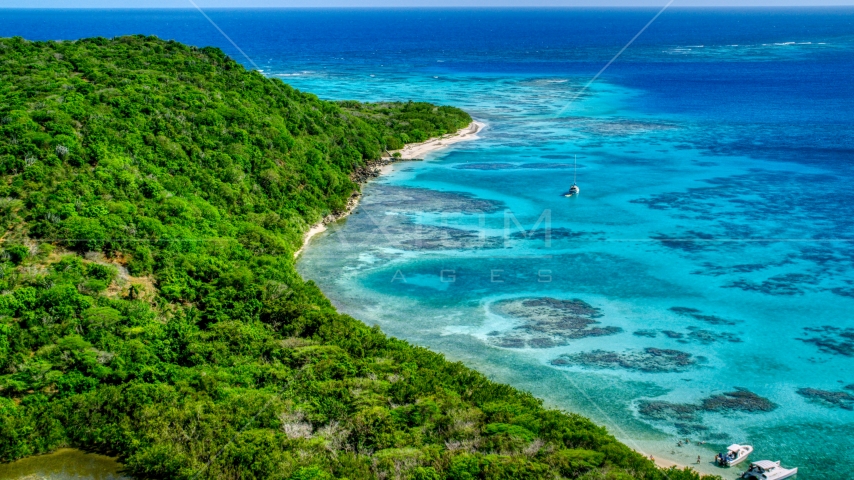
[(418, 150), (411, 150), (703, 468)]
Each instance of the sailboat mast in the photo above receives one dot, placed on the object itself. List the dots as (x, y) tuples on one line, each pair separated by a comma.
[(575, 170)]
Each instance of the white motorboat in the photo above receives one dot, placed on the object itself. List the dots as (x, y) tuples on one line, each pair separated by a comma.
[(734, 455), (768, 470)]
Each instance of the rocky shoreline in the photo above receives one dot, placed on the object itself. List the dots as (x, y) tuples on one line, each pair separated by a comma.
[(374, 168)]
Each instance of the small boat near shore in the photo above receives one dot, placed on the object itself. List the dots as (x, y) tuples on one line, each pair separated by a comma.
[(768, 470), (734, 455)]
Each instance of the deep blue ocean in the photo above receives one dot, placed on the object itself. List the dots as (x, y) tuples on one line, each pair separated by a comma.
[(700, 287)]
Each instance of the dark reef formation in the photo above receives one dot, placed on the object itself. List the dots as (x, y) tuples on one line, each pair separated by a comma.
[(694, 335), (690, 241), (843, 291), (391, 217), (559, 233), (831, 340), (738, 401), (645, 333), (787, 284), (651, 360), (412, 200), (748, 207), (411, 236), (741, 268), (843, 400), (548, 322), (697, 335), (699, 315), (660, 410), (405, 233)]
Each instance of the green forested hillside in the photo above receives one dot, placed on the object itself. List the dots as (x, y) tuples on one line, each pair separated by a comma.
[(151, 198)]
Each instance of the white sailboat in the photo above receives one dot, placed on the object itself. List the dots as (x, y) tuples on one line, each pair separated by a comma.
[(768, 470), (573, 190)]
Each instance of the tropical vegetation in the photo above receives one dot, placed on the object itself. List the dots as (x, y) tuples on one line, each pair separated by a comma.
[(153, 195)]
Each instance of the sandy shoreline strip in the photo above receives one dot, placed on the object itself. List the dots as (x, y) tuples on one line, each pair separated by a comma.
[(410, 150), (664, 463), (418, 150)]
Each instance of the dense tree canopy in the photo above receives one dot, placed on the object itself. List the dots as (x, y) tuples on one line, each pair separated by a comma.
[(152, 197)]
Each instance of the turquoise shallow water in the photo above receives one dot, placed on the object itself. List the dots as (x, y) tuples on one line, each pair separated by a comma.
[(715, 286)]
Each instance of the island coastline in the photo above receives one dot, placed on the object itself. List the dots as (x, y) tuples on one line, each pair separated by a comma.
[(214, 300), (383, 166)]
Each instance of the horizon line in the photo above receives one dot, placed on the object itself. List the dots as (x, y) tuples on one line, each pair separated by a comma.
[(450, 7)]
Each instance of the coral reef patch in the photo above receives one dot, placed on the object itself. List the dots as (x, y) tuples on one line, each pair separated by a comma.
[(714, 270), (403, 232), (843, 400), (694, 335), (651, 360), (548, 322), (413, 200), (699, 315), (707, 337), (748, 207), (645, 333), (690, 241), (843, 291), (787, 284), (430, 237), (390, 218), (740, 400), (559, 233), (831, 340)]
